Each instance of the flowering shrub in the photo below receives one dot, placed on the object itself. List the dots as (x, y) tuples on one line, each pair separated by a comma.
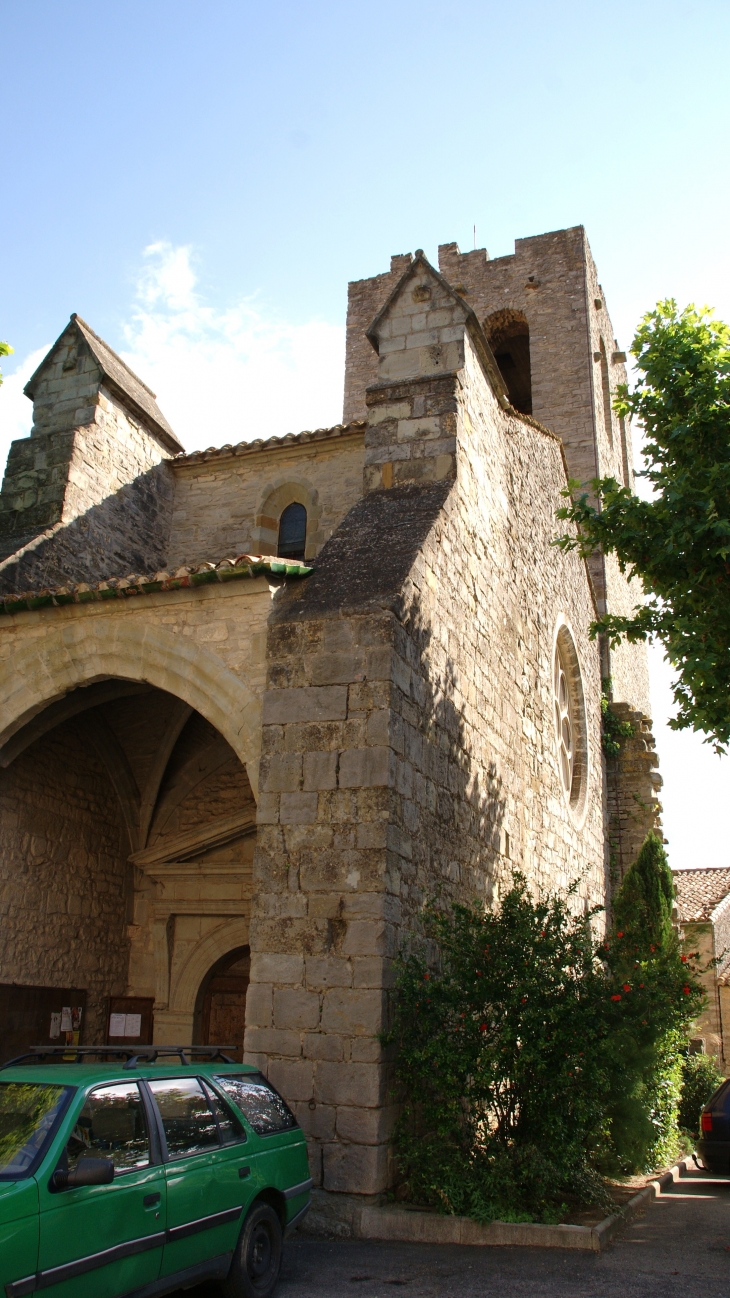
[(521, 1043)]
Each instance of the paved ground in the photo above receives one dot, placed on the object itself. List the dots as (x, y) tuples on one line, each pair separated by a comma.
[(678, 1248)]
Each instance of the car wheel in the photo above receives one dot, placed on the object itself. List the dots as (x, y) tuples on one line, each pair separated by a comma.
[(257, 1258)]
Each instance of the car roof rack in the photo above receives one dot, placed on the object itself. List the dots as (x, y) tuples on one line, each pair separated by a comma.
[(133, 1055)]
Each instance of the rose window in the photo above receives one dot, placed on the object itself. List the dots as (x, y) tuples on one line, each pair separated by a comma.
[(564, 724)]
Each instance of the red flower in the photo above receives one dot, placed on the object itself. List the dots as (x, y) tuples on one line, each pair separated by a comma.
[(627, 987), (684, 959), (641, 984), (482, 1027), (619, 935), (426, 977), (686, 991), (616, 998)]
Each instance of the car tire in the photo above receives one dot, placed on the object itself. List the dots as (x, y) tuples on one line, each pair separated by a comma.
[(257, 1257)]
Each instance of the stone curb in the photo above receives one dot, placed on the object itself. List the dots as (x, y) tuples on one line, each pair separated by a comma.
[(405, 1225)]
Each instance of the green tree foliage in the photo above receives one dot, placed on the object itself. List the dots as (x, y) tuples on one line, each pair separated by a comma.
[(518, 1038), (5, 350), (644, 902), (678, 543), (700, 1079)]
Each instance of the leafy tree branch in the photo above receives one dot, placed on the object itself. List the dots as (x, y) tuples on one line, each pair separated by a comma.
[(678, 543)]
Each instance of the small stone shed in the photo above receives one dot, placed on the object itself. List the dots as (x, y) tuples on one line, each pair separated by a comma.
[(703, 911)]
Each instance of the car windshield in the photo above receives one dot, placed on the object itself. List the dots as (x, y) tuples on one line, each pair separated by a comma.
[(28, 1115)]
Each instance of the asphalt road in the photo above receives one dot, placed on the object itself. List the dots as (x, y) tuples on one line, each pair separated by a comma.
[(678, 1248)]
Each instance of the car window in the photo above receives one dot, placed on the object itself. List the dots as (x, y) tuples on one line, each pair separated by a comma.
[(187, 1118), (29, 1113), (229, 1126), (113, 1125), (264, 1108)]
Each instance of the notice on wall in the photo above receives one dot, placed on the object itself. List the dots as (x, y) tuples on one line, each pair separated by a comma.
[(134, 1025), (125, 1025), (55, 1026), (66, 1021)]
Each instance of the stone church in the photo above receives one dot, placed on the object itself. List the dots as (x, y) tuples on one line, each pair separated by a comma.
[(259, 701)]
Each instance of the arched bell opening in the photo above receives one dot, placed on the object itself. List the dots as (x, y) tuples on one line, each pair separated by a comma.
[(509, 338)]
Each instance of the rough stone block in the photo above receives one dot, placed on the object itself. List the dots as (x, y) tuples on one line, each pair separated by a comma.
[(317, 1121), (296, 1008), (320, 770), (365, 767), (272, 967), (324, 1045), (328, 971), (353, 1011), (298, 808), (281, 772), (310, 703), (369, 937), (347, 1083), (258, 1005), (272, 1041), (355, 1169), (337, 668), (293, 1077), (366, 1126)]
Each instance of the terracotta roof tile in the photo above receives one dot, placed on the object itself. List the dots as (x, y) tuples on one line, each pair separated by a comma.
[(203, 574), (271, 443), (699, 892)]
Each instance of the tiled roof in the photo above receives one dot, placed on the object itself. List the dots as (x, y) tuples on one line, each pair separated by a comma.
[(271, 443), (119, 375), (203, 574), (700, 891)]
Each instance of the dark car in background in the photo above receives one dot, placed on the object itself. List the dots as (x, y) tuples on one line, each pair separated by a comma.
[(714, 1144)]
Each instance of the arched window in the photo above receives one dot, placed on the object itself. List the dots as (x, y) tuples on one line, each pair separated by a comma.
[(292, 532), (509, 338)]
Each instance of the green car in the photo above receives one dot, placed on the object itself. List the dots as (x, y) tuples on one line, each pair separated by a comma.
[(136, 1178)]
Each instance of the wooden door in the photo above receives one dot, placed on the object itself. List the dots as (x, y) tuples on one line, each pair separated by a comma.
[(224, 1004)]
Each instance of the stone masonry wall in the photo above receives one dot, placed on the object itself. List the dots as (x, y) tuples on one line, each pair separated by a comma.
[(552, 281), (230, 504), (408, 744), (64, 874), (88, 494)]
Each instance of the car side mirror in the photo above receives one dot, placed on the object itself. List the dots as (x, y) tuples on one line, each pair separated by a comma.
[(88, 1171)]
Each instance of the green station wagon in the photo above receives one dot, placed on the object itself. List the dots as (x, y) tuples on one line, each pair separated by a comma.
[(136, 1177)]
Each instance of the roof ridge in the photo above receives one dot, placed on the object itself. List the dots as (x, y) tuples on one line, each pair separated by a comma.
[(80, 321), (269, 443)]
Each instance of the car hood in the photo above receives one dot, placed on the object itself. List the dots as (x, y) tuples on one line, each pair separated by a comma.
[(18, 1199)]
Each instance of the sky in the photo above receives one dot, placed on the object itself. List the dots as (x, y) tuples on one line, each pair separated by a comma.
[(201, 182)]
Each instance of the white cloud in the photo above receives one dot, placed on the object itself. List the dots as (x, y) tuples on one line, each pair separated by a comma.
[(220, 375), (228, 375)]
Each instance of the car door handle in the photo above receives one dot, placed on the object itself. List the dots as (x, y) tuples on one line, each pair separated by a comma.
[(150, 1200), (244, 1171)]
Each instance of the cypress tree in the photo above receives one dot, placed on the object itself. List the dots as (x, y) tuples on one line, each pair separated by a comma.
[(643, 905)]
